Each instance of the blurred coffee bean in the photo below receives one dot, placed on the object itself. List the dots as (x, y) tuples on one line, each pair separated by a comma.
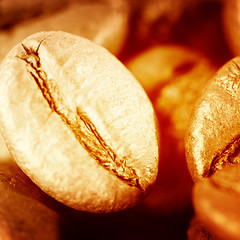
[(197, 231), (173, 76), (231, 23), (26, 212), (216, 202), (105, 24), (14, 11), (158, 17)]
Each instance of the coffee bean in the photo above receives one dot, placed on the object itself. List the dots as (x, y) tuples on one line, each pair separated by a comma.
[(216, 202), (78, 123), (102, 23), (4, 153), (197, 231), (213, 135), (231, 25), (25, 211), (13, 12)]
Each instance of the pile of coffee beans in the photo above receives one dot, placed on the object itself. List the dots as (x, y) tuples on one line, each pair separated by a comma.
[(119, 119)]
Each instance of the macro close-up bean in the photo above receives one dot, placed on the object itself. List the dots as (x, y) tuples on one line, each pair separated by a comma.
[(119, 119), (104, 129)]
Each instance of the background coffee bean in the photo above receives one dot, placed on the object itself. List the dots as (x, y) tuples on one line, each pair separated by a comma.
[(103, 23), (231, 24), (68, 114), (173, 81), (216, 201), (157, 18), (13, 11), (25, 211), (197, 231)]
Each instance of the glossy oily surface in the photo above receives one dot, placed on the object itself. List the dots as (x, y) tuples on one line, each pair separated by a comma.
[(213, 134), (68, 114), (216, 202)]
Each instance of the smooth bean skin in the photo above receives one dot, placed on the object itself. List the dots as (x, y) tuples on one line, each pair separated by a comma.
[(78, 123), (213, 133)]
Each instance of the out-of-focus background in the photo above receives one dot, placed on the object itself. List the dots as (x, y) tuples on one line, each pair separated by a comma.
[(173, 47)]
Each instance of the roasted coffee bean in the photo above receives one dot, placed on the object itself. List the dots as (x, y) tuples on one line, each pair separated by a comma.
[(26, 212), (197, 231), (14, 11), (231, 24), (213, 135), (102, 23), (78, 123), (216, 202)]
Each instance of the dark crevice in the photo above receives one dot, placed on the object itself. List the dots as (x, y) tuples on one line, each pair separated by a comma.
[(227, 156), (179, 71), (184, 68), (236, 65), (82, 127)]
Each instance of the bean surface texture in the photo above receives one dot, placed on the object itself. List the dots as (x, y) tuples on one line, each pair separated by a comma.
[(213, 136), (78, 123)]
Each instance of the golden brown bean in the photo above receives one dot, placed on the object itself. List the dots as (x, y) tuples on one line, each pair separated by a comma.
[(216, 202), (68, 114), (213, 134)]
